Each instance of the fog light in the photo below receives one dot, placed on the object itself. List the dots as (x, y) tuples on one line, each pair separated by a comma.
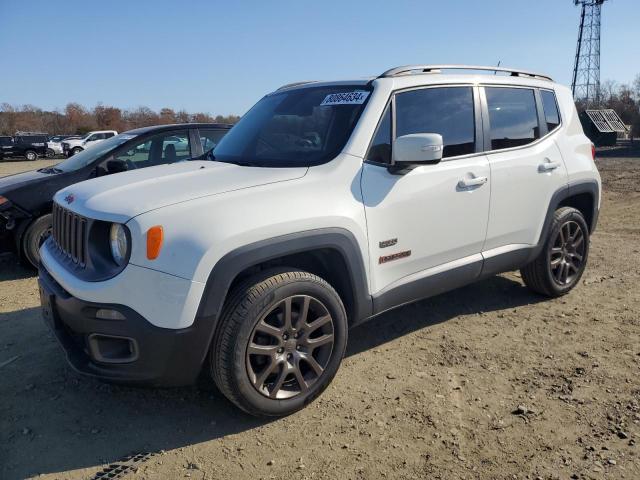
[(108, 314), (112, 349)]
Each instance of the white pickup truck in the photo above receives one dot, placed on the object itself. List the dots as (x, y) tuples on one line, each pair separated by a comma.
[(72, 146)]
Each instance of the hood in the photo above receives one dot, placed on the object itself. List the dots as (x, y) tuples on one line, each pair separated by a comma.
[(12, 182), (120, 197)]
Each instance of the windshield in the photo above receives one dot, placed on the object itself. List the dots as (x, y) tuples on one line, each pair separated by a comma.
[(85, 157), (301, 127)]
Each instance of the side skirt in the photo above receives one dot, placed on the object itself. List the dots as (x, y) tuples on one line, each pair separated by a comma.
[(427, 284), (451, 276)]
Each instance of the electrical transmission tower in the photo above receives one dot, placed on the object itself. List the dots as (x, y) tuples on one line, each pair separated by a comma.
[(586, 70)]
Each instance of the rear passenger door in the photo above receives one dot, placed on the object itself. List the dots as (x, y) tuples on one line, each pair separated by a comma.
[(526, 165)]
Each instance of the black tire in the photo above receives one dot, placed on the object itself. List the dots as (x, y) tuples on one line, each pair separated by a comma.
[(50, 153), (33, 237), (546, 274), (30, 155), (250, 304), (76, 150)]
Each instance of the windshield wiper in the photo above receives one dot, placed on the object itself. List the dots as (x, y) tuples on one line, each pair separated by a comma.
[(240, 163), (50, 170)]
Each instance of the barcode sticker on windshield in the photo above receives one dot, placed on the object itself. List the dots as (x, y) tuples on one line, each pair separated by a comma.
[(345, 98)]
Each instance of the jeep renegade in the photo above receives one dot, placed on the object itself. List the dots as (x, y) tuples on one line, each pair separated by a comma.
[(327, 204)]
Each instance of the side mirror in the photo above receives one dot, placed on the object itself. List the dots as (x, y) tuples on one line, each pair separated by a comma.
[(117, 166), (417, 148)]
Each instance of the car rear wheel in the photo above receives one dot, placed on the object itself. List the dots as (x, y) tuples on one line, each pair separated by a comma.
[(280, 342), (30, 155), (563, 259), (34, 237)]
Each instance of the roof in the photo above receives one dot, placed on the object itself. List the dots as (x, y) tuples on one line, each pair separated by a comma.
[(173, 126), (417, 74)]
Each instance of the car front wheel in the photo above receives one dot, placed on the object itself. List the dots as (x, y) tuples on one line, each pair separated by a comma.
[(562, 261), (76, 150), (30, 155), (280, 342), (34, 237)]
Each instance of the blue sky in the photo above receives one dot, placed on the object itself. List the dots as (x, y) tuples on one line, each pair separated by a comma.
[(221, 56)]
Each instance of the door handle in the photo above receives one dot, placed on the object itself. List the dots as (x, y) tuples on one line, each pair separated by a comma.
[(548, 166), (472, 182)]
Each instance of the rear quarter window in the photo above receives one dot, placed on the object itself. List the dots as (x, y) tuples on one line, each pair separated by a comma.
[(550, 106)]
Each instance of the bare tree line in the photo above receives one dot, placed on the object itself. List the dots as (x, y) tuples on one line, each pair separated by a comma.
[(623, 98), (76, 119)]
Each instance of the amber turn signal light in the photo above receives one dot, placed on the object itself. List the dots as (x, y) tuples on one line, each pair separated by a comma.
[(155, 235)]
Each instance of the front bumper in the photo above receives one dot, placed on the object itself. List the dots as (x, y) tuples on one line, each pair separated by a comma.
[(129, 351)]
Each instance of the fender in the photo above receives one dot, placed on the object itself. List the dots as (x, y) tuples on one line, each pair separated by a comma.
[(236, 261), (571, 189), (592, 187)]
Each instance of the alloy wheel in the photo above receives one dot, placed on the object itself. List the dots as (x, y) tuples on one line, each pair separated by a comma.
[(567, 253), (290, 347)]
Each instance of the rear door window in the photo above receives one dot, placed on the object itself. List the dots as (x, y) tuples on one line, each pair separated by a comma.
[(513, 117), (448, 111)]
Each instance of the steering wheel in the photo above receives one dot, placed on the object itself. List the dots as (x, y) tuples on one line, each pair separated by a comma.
[(305, 142)]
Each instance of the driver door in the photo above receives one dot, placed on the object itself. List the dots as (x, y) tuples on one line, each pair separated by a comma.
[(433, 218)]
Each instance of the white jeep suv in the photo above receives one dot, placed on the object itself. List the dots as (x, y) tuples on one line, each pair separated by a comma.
[(326, 205)]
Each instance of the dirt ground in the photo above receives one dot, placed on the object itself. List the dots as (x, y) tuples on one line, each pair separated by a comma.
[(487, 382)]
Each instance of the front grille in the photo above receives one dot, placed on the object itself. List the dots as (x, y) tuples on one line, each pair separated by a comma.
[(70, 234)]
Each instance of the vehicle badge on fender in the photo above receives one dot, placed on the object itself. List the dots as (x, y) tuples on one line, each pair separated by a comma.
[(69, 198)]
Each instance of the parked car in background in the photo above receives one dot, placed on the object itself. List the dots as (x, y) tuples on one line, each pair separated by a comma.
[(24, 144), (54, 145), (25, 198), (76, 145)]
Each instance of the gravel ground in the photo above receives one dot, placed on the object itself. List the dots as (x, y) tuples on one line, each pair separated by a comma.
[(487, 382), (9, 167)]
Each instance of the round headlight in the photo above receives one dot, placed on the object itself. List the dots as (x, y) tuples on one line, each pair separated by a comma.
[(119, 243)]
